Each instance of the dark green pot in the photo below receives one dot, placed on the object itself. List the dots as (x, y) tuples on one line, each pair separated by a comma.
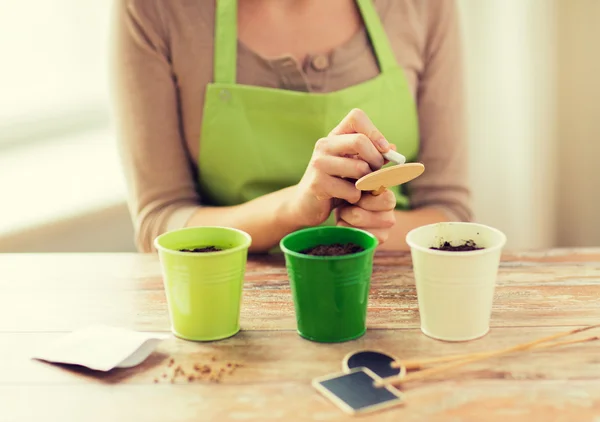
[(330, 292)]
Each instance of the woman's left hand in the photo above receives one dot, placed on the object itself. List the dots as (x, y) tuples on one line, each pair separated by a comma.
[(374, 214)]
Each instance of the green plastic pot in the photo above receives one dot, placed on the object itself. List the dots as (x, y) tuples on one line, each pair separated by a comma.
[(330, 293), (204, 290)]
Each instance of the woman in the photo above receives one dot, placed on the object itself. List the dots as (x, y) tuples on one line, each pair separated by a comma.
[(258, 115)]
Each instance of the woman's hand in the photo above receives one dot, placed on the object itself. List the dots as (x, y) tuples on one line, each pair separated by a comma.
[(374, 214), (352, 150)]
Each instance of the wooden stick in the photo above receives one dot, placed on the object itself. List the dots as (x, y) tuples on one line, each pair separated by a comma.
[(378, 191), (397, 379), (566, 342), (418, 364), (477, 357)]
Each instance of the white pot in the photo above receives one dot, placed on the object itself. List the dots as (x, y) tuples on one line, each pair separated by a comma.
[(455, 290)]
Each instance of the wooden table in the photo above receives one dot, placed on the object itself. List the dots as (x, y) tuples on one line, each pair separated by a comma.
[(539, 293)]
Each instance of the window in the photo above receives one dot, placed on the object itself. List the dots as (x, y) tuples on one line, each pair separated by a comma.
[(54, 69), (58, 156)]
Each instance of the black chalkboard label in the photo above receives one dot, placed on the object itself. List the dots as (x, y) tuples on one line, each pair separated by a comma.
[(378, 362), (355, 392)]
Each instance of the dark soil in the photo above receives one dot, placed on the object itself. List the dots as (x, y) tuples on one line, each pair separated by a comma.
[(469, 245), (337, 249), (201, 250)]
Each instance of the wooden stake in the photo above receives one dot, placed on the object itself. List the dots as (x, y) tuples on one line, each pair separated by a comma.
[(418, 364), (475, 357), (378, 191)]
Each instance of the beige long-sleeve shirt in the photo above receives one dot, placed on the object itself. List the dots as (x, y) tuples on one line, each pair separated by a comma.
[(163, 60)]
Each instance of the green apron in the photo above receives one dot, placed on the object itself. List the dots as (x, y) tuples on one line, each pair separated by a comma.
[(257, 140)]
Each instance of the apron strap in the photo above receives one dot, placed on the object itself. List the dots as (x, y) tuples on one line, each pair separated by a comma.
[(225, 46), (225, 54), (379, 39)]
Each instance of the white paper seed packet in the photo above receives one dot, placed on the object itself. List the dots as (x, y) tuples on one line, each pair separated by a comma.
[(101, 348)]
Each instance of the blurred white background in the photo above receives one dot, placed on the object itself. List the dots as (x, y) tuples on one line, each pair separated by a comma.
[(60, 179), (534, 124)]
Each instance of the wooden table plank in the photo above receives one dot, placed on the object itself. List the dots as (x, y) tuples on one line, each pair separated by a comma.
[(274, 381), (142, 271), (273, 309), (286, 357), (63, 292), (492, 401)]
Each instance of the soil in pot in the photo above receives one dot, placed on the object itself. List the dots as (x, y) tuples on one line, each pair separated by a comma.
[(336, 249), (467, 246), (203, 249)]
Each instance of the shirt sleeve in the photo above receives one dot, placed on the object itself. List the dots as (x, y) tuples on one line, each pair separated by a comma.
[(440, 98), (159, 176)]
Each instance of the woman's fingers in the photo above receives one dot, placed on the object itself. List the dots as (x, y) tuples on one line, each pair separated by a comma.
[(330, 187), (382, 235), (352, 150), (349, 145), (384, 202), (361, 218), (357, 121), (341, 167)]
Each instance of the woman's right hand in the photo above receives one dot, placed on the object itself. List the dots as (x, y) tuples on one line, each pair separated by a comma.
[(352, 150)]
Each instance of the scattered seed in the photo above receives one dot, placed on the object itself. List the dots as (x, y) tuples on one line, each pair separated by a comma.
[(202, 371)]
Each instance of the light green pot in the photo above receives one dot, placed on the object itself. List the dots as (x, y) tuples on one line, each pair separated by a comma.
[(204, 290)]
